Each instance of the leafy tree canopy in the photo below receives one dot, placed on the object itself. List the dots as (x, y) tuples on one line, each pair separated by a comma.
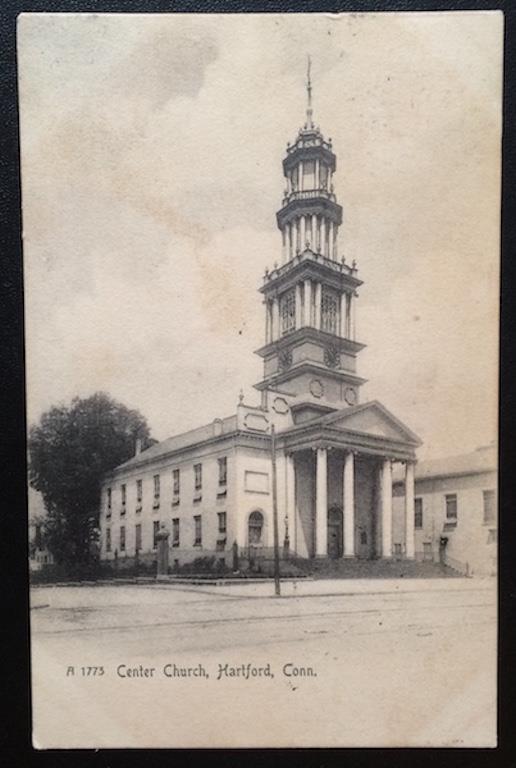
[(70, 450)]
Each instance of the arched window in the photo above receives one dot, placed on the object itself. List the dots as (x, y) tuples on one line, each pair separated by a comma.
[(255, 528)]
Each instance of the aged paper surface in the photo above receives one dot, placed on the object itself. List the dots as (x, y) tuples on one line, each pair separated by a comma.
[(348, 166)]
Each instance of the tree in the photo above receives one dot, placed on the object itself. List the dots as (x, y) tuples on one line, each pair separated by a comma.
[(70, 450)]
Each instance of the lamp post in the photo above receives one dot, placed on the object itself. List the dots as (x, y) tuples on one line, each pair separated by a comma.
[(277, 588)]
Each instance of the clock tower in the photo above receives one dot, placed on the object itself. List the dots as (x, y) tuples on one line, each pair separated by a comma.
[(310, 348)]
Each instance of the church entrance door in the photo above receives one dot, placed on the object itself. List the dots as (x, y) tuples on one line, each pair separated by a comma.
[(335, 532)]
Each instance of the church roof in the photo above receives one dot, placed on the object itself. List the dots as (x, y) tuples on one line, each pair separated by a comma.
[(484, 459), (216, 428), (352, 418)]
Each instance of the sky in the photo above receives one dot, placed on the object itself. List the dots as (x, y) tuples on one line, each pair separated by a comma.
[(151, 149)]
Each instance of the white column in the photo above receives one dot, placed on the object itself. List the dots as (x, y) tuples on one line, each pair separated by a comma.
[(348, 316), (387, 508), (267, 322), (322, 249), (303, 233), (308, 302), (330, 241), (353, 311), (349, 505), (318, 297), (275, 319), (343, 306), (299, 316), (317, 173), (313, 238), (301, 176), (321, 504), (290, 502), (283, 245), (409, 510)]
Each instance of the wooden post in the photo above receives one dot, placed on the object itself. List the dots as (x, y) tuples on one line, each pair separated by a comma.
[(277, 588)]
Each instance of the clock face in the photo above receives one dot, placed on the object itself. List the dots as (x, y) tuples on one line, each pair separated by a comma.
[(316, 388), (285, 359), (332, 357), (350, 395)]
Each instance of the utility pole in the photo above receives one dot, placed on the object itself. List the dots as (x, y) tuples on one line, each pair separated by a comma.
[(277, 589)]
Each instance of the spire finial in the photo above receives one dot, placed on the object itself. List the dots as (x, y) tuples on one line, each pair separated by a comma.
[(309, 110)]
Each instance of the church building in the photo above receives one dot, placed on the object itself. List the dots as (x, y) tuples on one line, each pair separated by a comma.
[(212, 486)]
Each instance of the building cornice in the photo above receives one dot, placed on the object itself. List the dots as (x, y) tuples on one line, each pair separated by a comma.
[(308, 333), (301, 151), (309, 367), (310, 435), (315, 205), (308, 264)]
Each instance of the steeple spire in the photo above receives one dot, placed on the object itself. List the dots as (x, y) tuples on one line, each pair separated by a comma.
[(309, 111)]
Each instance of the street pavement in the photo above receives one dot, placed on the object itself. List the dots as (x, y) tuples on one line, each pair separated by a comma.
[(343, 663)]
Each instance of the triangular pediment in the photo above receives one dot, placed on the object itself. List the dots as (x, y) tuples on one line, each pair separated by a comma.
[(371, 419)]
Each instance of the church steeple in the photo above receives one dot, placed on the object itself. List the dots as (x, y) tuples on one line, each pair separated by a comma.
[(309, 110), (310, 348)]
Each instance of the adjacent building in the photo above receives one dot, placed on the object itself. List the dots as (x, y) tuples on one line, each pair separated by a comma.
[(455, 512), (212, 486)]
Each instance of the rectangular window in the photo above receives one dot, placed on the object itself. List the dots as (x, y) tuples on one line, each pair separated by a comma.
[(223, 471), (156, 486), (287, 308), (418, 513), (155, 529), (222, 522), (294, 178), (122, 538), (138, 536), (309, 174), (198, 530), (139, 491), (451, 508), (323, 176), (175, 531), (489, 506), (108, 539), (198, 477), (176, 482), (109, 499), (329, 310), (123, 494)]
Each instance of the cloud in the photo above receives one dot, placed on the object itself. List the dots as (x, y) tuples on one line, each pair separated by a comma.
[(151, 173)]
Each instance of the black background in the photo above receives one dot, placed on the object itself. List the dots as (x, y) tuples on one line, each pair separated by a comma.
[(15, 725)]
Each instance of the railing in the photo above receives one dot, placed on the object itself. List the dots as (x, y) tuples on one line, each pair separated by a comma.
[(308, 194), (314, 142), (310, 255)]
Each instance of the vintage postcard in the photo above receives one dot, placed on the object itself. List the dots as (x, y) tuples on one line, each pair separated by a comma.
[(261, 260)]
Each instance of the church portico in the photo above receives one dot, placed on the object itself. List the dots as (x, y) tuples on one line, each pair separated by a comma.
[(340, 492)]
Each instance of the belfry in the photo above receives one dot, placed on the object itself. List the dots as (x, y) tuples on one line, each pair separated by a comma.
[(310, 299)]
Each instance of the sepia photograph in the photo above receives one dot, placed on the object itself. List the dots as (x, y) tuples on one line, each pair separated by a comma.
[(261, 276)]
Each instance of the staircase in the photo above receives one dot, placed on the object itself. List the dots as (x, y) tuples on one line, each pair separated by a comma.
[(370, 569)]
